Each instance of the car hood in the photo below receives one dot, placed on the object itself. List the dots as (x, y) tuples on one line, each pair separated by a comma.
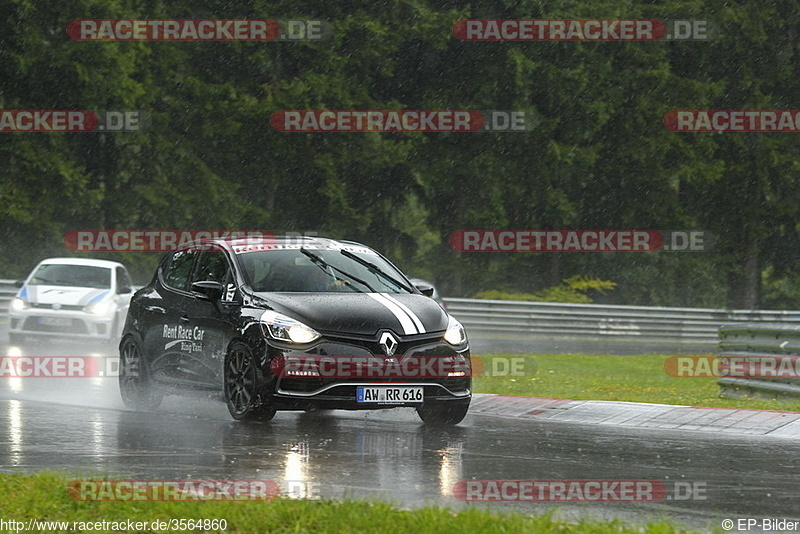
[(362, 313), (44, 294)]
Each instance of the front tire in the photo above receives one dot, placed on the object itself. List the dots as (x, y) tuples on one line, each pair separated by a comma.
[(242, 386), (447, 413), (135, 387)]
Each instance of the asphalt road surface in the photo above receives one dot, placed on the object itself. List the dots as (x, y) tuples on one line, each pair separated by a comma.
[(79, 425)]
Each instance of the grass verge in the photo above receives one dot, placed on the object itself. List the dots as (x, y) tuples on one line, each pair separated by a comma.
[(613, 378), (43, 497)]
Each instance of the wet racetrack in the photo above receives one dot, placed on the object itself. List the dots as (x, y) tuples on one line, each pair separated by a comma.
[(80, 425)]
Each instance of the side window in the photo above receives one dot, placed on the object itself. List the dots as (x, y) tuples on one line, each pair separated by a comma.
[(257, 271), (176, 274), (123, 278), (213, 266)]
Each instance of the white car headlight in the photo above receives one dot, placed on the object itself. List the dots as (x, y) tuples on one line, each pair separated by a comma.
[(98, 308), (455, 334), (284, 328), (18, 304)]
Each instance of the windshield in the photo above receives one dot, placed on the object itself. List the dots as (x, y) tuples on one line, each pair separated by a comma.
[(291, 270), (72, 275)]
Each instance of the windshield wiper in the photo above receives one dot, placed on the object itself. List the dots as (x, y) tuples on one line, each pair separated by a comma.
[(374, 269), (322, 263)]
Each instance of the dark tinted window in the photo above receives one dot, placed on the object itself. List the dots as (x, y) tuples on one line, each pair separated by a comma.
[(291, 270), (212, 266), (179, 268)]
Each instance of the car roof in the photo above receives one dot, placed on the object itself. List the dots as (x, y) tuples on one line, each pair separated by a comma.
[(283, 240), (252, 244), (81, 261)]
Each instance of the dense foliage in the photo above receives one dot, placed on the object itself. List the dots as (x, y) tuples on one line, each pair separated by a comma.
[(599, 157)]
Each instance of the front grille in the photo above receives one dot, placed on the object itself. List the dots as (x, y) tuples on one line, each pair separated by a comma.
[(347, 392), (422, 346), (38, 324), (312, 384), (71, 307), (406, 344), (306, 385)]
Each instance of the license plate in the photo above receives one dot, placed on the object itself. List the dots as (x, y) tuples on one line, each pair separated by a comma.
[(388, 394), (54, 321)]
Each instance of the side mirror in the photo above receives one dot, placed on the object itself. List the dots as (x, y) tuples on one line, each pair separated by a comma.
[(124, 290), (425, 289), (19, 283), (208, 288)]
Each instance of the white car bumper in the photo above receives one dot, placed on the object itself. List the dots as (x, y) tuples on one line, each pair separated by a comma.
[(44, 321)]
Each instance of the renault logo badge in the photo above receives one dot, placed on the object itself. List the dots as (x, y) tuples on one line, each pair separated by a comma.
[(388, 343)]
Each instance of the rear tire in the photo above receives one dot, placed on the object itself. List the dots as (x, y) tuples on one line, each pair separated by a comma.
[(447, 413), (242, 386), (135, 387)]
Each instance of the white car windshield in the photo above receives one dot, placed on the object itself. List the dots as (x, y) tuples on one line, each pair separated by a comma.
[(58, 274)]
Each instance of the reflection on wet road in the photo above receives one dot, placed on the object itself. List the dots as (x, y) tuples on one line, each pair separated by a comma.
[(79, 425)]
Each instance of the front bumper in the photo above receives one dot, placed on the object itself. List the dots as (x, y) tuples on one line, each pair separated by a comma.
[(336, 389), (44, 322), (342, 396)]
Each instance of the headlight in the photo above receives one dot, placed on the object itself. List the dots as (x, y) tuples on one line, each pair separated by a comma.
[(455, 334), (17, 304), (98, 308), (285, 328)]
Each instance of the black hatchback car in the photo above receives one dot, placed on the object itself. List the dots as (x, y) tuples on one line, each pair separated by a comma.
[(293, 324)]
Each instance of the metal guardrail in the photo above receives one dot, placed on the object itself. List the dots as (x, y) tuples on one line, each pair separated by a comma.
[(582, 322), (779, 344), (588, 322)]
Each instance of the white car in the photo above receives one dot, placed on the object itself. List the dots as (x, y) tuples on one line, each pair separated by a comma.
[(71, 298)]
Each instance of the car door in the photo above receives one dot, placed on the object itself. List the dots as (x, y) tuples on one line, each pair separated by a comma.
[(167, 330), (211, 320)]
